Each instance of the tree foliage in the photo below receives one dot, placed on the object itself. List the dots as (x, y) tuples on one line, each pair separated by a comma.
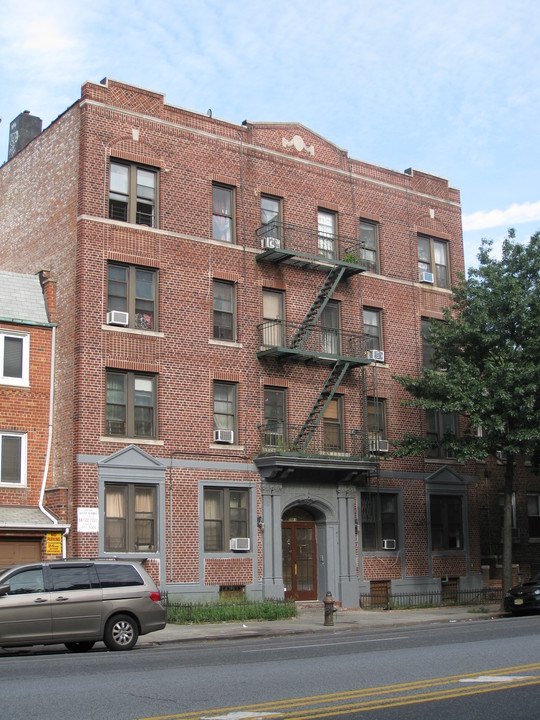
[(487, 362)]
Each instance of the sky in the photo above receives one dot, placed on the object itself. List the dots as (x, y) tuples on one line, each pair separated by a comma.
[(451, 88)]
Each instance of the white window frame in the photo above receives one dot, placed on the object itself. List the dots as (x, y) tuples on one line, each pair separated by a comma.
[(23, 381), (24, 454)]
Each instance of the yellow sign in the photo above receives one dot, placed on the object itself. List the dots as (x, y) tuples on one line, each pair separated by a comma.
[(53, 544)]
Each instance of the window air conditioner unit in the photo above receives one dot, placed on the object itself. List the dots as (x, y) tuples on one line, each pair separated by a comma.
[(376, 355), (116, 317), (427, 277), (224, 436), (270, 243), (242, 544), (378, 445), (389, 544)]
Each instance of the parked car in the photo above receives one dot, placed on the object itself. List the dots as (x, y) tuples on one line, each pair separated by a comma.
[(78, 603), (523, 597)]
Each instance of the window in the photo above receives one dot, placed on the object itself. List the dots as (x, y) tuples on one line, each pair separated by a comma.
[(369, 241), (73, 577), (275, 413), (333, 426), (372, 329), (224, 300), (433, 258), (273, 316), (378, 519), (427, 347), (25, 581), (533, 512), (13, 450), (130, 405), (133, 290), (330, 329), (226, 516), (225, 411), (441, 427), (14, 358), (327, 232), (130, 518), (376, 422), (133, 193), (223, 213), (446, 522), (271, 220)]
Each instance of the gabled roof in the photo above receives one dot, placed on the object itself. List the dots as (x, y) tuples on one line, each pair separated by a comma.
[(21, 298)]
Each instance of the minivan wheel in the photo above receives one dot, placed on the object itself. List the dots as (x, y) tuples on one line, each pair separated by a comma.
[(78, 647), (121, 633)]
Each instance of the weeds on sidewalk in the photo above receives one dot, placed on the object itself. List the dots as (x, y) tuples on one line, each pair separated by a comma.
[(199, 613)]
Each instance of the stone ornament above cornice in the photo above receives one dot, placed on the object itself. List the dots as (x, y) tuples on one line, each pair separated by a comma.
[(298, 144)]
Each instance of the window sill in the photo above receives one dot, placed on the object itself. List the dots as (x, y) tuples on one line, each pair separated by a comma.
[(131, 441), (133, 331), (225, 343), (13, 382), (21, 485), (225, 446)]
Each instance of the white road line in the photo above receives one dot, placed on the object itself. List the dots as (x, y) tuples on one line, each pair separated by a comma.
[(326, 644)]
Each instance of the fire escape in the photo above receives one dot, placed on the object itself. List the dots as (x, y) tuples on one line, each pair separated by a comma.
[(309, 342)]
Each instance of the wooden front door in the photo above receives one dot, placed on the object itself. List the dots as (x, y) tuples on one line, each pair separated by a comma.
[(299, 560)]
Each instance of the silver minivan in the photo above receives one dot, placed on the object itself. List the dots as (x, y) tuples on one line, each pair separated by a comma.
[(78, 603)]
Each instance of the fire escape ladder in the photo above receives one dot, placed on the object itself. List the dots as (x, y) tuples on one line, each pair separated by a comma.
[(314, 313), (322, 402)]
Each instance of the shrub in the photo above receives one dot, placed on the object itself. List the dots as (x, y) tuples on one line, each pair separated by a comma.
[(217, 612)]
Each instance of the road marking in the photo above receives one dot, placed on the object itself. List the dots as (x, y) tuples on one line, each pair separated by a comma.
[(495, 678), (241, 716), (325, 644)]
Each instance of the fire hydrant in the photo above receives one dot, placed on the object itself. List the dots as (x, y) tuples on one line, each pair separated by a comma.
[(329, 609)]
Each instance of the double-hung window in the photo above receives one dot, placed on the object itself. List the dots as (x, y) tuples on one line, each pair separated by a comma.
[(369, 242), (275, 413), (433, 258), (224, 310), (14, 358), (333, 426), (13, 449), (441, 427), (533, 514), (372, 329), (327, 233), (131, 404), (225, 412), (223, 213), (133, 193), (273, 316), (130, 518), (446, 522), (271, 228), (376, 423), (378, 516), (226, 516), (132, 292), (330, 329)]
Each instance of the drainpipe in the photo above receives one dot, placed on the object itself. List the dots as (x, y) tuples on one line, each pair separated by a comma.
[(49, 444)]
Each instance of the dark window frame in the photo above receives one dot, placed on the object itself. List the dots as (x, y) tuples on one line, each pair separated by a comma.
[(378, 520), (231, 416), (275, 416), (436, 420), (142, 311), (230, 522), (221, 217), (446, 522), (272, 226), (128, 520), (129, 404), (333, 426), (221, 330), (369, 244), (373, 341), (127, 206)]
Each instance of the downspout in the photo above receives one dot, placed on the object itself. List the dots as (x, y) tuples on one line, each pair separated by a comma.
[(49, 444)]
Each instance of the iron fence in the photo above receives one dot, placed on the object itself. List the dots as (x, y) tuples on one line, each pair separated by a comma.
[(395, 601)]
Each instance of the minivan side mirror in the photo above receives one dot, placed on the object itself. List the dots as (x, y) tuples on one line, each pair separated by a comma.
[(4, 589)]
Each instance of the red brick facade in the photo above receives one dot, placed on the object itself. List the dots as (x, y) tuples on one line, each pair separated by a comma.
[(64, 224)]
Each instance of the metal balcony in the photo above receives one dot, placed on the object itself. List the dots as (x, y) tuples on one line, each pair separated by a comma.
[(307, 248), (280, 339)]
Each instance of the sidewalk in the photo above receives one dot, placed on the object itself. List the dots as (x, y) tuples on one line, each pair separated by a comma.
[(311, 620)]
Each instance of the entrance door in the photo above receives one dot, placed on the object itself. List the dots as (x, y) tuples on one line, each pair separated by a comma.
[(299, 560)]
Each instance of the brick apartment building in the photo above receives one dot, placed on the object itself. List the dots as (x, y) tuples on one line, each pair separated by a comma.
[(232, 303), (27, 529)]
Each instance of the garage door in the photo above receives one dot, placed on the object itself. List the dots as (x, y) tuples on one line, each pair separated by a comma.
[(19, 551)]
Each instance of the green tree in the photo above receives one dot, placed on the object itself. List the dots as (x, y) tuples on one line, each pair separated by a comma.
[(486, 367)]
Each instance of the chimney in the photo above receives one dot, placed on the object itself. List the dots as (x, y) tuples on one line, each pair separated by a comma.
[(49, 290), (22, 130)]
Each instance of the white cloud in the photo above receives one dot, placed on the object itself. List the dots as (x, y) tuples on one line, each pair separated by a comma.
[(514, 215)]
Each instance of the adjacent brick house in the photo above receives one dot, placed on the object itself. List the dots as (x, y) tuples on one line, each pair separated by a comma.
[(26, 350), (232, 303)]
